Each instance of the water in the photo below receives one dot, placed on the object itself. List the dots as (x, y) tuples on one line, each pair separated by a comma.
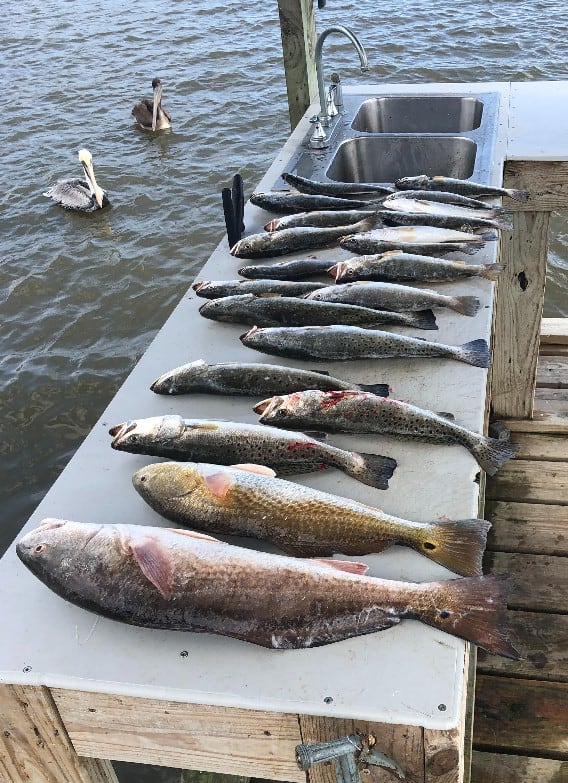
[(81, 296)]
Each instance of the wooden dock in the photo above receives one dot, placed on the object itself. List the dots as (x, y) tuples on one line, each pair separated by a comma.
[(521, 708)]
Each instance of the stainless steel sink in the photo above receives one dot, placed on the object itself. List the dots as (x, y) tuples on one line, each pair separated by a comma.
[(386, 158), (419, 114)]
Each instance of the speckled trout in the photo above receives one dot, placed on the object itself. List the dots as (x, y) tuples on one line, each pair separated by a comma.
[(461, 186), (297, 519), (305, 185), (395, 266), (252, 379), (229, 442), (214, 289), (342, 343), (295, 269), (184, 581), (351, 411), (417, 238), (286, 203)]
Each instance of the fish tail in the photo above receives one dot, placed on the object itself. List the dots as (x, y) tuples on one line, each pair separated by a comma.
[(471, 247), (475, 609), (492, 453), (491, 271), (517, 195), (488, 236), (475, 353), (422, 319), (456, 544), (503, 220), (466, 305), (371, 469), (380, 389)]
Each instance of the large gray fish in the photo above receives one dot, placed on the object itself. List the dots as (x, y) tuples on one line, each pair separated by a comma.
[(287, 203), (391, 296), (180, 580), (305, 185), (297, 519), (214, 289), (351, 411), (228, 443), (406, 211), (429, 240), (252, 380), (292, 311), (295, 269), (343, 343), (409, 267), (319, 219), (269, 244), (439, 195), (461, 186)]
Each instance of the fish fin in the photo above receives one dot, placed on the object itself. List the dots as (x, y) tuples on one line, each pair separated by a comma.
[(475, 609), (503, 221), (219, 483), (489, 236), (446, 415), (475, 353), (466, 305), (155, 563), (456, 544), (492, 453), (380, 389), (375, 470), (350, 566), (193, 534), (327, 631), (491, 271), (469, 248), (261, 470), (316, 434), (517, 195), (422, 319), (321, 372)]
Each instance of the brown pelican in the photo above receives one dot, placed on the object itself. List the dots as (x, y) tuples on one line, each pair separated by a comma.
[(149, 114), (80, 194)]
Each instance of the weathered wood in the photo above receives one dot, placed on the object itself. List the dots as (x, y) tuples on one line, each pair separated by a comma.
[(298, 30), (531, 716), (541, 446), (546, 181), (551, 349), (527, 527), (539, 582), (500, 768), (541, 640), (192, 736), (518, 311), (34, 745), (541, 422), (554, 331), (552, 402), (552, 371), (404, 744), (530, 481)]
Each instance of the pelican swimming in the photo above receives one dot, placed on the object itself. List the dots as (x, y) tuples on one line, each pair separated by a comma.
[(150, 115), (83, 195)]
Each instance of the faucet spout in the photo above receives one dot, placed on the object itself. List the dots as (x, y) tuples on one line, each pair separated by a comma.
[(336, 28)]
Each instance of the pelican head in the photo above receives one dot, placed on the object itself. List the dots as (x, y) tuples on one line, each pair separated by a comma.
[(87, 162), (157, 87)]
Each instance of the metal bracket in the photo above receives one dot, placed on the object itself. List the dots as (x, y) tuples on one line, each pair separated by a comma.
[(349, 753)]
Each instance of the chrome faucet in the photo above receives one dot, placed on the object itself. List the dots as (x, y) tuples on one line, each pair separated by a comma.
[(336, 28)]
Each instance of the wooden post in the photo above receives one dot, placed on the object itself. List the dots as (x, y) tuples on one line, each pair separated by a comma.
[(297, 25), (34, 745)]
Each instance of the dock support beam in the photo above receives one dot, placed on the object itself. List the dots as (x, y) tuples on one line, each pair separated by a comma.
[(297, 25)]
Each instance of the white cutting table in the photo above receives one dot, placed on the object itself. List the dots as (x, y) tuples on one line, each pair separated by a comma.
[(411, 676)]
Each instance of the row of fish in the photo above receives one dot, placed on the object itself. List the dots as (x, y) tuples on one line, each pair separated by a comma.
[(223, 480)]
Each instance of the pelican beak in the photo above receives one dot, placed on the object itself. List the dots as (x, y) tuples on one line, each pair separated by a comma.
[(95, 189), (157, 101)]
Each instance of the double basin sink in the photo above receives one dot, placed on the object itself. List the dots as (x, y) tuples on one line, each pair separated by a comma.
[(380, 139)]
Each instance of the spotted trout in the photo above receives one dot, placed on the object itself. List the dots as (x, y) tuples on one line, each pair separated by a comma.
[(407, 210), (252, 380), (319, 219), (286, 203), (299, 520), (342, 343), (461, 186), (396, 266), (428, 240), (214, 289), (305, 185), (179, 580), (228, 442), (295, 269), (358, 412)]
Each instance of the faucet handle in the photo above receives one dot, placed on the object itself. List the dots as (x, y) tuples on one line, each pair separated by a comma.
[(330, 104)]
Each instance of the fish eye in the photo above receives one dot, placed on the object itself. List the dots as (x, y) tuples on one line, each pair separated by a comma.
[(39, 549), (350, 272)]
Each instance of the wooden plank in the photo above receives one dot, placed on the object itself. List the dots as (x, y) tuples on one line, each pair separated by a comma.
[(554, 330), (527, 527), (552, 371), (298, 30), (404, 744), (34, 746), (541, 446), (551, 349), (542, 421), (546, 181), (529, 481), (539, 582), (521, 715), (518, 311), (541, 640), (505, 768), (192, 736)]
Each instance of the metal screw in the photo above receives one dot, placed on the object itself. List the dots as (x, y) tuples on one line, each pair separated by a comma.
[(442, 707), (328, 700)]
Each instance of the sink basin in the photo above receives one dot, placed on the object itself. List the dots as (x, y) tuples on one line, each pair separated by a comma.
[(418, 114), (386, 158)]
